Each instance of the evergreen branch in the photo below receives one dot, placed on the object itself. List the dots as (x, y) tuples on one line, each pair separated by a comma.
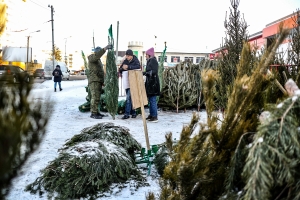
[(282, 119)]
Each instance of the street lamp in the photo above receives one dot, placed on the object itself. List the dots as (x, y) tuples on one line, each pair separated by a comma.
[(28, 47), (66, 49)]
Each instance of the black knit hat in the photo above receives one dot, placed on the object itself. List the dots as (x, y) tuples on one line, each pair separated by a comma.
[(129, 52), (58, 66)]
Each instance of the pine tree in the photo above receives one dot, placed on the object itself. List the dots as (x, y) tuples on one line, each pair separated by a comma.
[(236, 35), (199, 167), (22, 127), (294, 54), (111, 80), (161, 66), (271, 167)]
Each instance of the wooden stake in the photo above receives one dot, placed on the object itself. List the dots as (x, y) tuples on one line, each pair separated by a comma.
[(139, 97)]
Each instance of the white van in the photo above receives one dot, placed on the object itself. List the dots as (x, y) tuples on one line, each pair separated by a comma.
[(48, 69)]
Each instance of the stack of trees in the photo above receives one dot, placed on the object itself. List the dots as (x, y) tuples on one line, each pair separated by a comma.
[(90, 162), (242, 155), (182, 85), (211, 162)]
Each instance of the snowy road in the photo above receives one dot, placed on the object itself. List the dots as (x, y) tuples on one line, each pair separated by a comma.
[(66, 121)]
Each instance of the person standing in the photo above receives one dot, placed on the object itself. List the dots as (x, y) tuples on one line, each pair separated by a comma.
[(152, 84), (130, 63), (57, 74), (96, 79)]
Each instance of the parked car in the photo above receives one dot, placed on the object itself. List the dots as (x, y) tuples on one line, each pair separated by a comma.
[(13, 74), (83, 72), (73, 72), (39, 73)]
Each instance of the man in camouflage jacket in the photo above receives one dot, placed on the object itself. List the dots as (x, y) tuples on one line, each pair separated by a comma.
[(96, 79)]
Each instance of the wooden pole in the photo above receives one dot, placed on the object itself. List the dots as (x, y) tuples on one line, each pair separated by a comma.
[(140, 85)]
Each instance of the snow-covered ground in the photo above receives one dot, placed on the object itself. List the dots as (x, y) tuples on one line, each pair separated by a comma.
[(66, 121)]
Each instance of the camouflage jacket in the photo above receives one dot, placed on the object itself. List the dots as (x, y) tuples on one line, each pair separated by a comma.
[(96, 72)]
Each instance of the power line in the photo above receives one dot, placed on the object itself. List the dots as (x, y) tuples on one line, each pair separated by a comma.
[(39, 5), (45, 7)]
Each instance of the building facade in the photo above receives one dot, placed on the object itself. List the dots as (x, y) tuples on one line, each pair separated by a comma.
[(264, 38)]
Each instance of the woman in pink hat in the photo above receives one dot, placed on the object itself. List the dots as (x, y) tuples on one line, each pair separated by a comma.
[(152, 84)]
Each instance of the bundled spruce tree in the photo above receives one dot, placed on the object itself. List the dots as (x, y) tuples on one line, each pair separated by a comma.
[(90, 162), (111, 79), (182, 86), (236, 35), (22, 127)]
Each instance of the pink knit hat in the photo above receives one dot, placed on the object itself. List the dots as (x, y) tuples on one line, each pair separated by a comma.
[(150, 52)]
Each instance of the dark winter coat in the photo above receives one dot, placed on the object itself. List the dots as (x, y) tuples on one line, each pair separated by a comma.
[(152, 80), (57, 75), (133, 64), (96, 72)]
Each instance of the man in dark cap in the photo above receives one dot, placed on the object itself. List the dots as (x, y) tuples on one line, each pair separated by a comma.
[(130, 63), (57, 74), (96, 79)]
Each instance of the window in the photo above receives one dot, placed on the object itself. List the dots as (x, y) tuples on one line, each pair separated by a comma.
[(159, 58), (191, 59), (20, 70), (198, 59), (175, 59)]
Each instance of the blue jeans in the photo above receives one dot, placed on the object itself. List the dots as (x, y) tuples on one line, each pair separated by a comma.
[(128, 106), (152, 106), (58, 85)]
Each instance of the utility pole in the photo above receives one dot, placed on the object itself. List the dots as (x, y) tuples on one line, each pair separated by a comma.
[(53, 49), (117, 42), (28, 49), (66, 60), (66, 51)]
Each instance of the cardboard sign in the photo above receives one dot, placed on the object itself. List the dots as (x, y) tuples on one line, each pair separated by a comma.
[(137, 89)]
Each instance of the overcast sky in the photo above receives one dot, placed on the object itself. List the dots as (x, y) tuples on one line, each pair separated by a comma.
[(189, 25)]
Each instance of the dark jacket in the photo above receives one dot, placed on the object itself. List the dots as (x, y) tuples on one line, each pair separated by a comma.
[(133, 64), (152, 80), (96, 72), (57, 75)]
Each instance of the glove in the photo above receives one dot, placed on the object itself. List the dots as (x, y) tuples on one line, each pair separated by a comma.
[(149, 73), (109, 46)]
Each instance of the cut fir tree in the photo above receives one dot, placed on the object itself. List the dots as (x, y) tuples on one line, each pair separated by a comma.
[(111, 79)]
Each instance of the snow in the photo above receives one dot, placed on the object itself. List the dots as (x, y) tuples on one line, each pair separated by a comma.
[(83, 148), (66, 121), (279, 105), (260, 140), (294, 98)]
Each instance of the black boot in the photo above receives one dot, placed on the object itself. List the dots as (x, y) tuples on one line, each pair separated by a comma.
[(60, 89), (54, 89), (96, 116), (102, 115)]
